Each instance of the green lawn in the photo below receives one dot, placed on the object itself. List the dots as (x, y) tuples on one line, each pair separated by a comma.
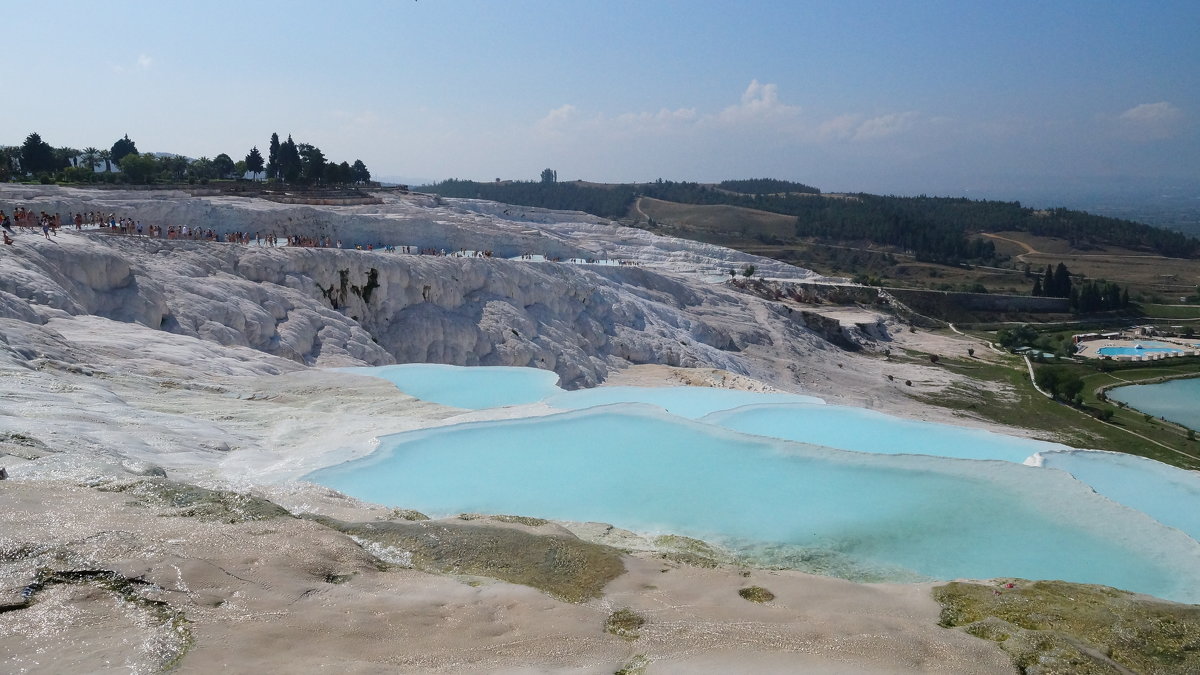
[(1171, 311), (1064, 423)]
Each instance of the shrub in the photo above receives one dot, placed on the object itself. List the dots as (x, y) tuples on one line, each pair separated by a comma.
[(624, 623), (756, 594)]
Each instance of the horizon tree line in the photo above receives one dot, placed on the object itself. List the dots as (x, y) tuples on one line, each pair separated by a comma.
[(293, 163)]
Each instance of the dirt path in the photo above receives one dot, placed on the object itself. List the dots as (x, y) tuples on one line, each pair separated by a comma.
[(1028, 249)]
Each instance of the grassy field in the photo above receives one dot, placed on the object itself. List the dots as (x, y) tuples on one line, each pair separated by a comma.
[(1128, 430), (1182, 313), (1159, 280), (717, 222)]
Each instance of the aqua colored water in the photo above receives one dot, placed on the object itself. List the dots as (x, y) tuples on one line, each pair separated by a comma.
[(885, 516), (1134, 351), (473, 388), (906, 503), (1176, 400), (863, 430), (1167, 494), (690, 402)]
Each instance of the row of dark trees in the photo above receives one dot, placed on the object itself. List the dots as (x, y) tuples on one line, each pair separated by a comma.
[(1089, 295), (766, 186), (546, 193), (294, 162), (1054, 283), (301, 163)]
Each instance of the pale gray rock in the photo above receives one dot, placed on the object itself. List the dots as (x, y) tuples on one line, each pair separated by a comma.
[(143, 468)]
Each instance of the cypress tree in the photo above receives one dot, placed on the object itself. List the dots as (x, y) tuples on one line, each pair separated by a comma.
[(273, 157), (1062, 281)]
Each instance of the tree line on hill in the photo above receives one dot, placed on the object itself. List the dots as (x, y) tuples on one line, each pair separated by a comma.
[(605, 202), (938, 229), (615, 201), (766, 186), (290, 162), (1089, 295)]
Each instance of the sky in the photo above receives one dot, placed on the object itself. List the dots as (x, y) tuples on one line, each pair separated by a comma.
[(924, 97)]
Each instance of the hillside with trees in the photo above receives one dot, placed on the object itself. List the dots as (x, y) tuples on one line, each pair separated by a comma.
[(766, 186), (605, 202), (291, 162), (937, 229)]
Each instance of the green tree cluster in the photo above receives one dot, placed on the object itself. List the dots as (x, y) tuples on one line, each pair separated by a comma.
[(122, 149), (1060, 382), (604, 202), (36, 155), (1098, 296), (1054, 283), (766, 186), (305, 163)]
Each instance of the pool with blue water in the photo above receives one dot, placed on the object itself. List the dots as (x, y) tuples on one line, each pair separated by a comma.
[(831, 489)]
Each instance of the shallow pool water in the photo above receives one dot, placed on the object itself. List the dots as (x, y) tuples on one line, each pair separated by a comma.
[(869, 431), (1176, 400), (1123, 478), (791, 481), (690, 402), (472, 388), (883, 516)]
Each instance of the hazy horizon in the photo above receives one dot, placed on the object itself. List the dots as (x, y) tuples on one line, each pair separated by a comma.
[(938, 98)]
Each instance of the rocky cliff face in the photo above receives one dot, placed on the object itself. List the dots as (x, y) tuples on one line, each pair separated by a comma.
[(348, 307)]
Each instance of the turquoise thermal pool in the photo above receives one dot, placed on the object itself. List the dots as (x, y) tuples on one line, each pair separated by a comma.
[(472, 388), (1176, 400), (690, 402), (903, 500), (1138, 351), (864, 430)]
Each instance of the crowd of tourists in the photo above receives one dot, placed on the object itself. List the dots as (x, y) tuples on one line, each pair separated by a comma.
[(112, 224)]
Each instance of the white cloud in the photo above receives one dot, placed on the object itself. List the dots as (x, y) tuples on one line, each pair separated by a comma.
[(143, 62), (885, 126), (1152, 121), (759, 112), (839, 128), (557, 121), (759, 102)]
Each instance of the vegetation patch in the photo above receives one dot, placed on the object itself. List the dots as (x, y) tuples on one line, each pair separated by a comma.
[(23, 446), (522, 520), (197, 502), (1059, 627), (624, 623), (172, 632), (636, 666), (405, 514), (565, 567), (756, 594)]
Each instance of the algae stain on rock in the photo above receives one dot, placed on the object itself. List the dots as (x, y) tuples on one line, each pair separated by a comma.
[(756, 594), (197, 502), (1060, 627), (563, 566), (624, 623)]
